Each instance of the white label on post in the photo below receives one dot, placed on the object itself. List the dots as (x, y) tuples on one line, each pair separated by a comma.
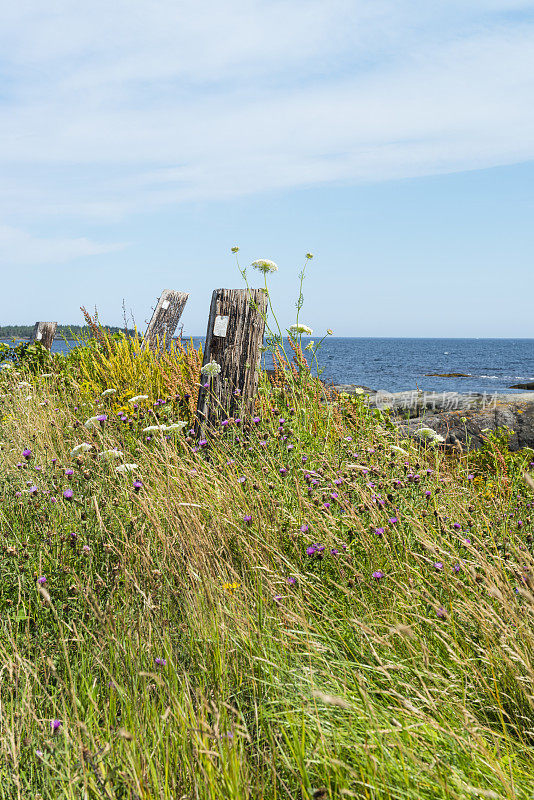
[(39, 335), (165, 305), (220, 326)]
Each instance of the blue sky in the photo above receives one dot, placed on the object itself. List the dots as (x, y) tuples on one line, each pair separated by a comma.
[(393, 139)]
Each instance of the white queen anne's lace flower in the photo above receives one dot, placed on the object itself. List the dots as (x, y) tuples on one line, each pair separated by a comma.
[(301, 329), (211, 369), (110, 454), (176, 426), (108, 391), (81, 448), (137, 398), (430, 434), (264, 265), (154, 428), (126, 468)]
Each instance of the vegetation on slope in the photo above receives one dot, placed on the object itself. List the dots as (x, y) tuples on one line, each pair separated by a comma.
[(300, 606)]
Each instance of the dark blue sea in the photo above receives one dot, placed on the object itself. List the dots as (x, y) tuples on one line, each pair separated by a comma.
[(492, 365)]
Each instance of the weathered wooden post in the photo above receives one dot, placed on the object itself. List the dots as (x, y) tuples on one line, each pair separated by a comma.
[(165, 318), (233, 340), (44, 332)]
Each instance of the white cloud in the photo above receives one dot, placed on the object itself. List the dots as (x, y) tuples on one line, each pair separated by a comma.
[(114, 108), (18, 248)]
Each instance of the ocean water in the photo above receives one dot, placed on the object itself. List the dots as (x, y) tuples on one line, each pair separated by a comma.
[(402, 364)]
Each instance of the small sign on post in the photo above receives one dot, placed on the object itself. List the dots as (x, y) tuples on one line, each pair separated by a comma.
[(233, 340), (165, 318), (44, 333)]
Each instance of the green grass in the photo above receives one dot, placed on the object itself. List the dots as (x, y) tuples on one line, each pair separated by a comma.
[(286, 675)]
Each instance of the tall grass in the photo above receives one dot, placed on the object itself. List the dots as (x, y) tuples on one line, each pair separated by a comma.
[(295, 609)]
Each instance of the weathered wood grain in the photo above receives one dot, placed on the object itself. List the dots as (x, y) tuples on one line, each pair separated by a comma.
[(44, 332), (165, 318), (233, 340)]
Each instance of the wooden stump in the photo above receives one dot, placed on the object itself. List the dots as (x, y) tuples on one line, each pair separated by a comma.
[(165, 317), (44, 332), (233, 341)]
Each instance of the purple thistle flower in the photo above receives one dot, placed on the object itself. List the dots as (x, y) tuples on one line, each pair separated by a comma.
[(41, 581), (55, 724), (225, 422), (441, 613), (282, 471), (304, 459), (247, 518), (27, 454), (378, 575), (102, 418), (304, 528), (438, 566), (68, 494), (242, 479), (137, 485), (393, 520), (161, 662), (428, 493), (203, 443), (379, 531), (69, 472), (292, 581), (311, 550), (255, 419), (457, 526), (33, 490)]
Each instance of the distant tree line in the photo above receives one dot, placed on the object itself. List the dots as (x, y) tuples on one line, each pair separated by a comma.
[(67, 331)]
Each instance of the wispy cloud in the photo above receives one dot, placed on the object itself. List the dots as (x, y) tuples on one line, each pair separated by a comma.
[(19, 248), (112, 108)]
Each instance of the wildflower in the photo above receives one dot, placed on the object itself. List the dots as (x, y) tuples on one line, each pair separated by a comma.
[(137, 398), (428, 493), (393, 520), (430, 435), (33, 490), (202, 442), (86, 548), (42, 580), (81, 448), (155, 428), (292, 581), (27, 454), (109, 454), (108, 391), (126, 468), (329, 332), (441, 613), (379, 531), (137, 485), (68, 494), (161, 662), (311, 550), (55, 724), (69, 472), (235, 249), (438, 566), (304, 528), (211, 369), (247, 518), (242, 479), (378, 575), (300, 329), (264, 265), (309, 255)]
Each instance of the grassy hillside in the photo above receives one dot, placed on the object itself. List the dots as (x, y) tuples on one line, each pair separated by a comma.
[(300, 606)]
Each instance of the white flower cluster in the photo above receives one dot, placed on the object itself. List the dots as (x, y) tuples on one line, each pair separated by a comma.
[(108, 391), (126, 468), (430, 435), (137, 398), (299, 329), (175, 426), (264, 265), (81, 448), (110, 454), (211, 369)]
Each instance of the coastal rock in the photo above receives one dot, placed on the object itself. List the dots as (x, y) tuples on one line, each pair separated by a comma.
[(468, 426), (354, 388), (528, 385)]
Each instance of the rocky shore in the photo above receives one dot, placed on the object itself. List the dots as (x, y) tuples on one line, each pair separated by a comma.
[(460, 419)]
